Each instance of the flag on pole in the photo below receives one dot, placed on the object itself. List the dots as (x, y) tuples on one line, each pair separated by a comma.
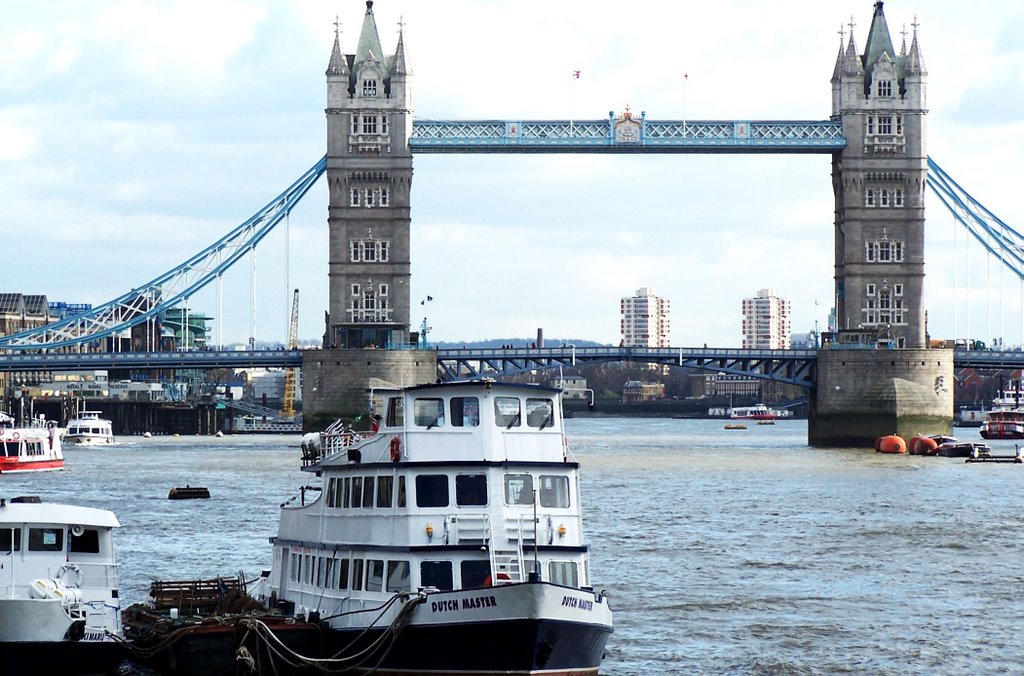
[(576, 75)]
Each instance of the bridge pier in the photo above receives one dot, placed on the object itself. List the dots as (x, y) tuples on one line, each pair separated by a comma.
[(338, 383), (864, 394)]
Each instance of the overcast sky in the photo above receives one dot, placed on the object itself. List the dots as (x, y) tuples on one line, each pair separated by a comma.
[(133, 134)]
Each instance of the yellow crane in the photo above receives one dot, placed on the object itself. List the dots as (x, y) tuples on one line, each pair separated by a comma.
[(291, 375)]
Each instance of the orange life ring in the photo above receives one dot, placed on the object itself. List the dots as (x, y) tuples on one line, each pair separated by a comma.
[(396, 449), (500, 577)]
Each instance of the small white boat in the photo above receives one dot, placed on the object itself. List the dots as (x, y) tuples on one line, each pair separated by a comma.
[(89, 429), (32, 448), (449, 540), (756, 412), (59, 607)]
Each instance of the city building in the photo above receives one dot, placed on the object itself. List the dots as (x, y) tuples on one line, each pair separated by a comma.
[(766, 323), (645, 320), (638, 391)]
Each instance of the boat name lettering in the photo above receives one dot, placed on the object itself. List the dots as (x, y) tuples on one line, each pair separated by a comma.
[(467, 604), (579, 604), (94, 636)]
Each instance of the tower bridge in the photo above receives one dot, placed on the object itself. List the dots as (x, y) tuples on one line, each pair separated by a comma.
[(880, 173)]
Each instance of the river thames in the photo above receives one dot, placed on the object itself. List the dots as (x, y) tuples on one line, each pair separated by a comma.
[(723, 551)]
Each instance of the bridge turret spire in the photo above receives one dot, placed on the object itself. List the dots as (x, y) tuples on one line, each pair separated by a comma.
[(369, 41), (915, 62), (879, 43), (338, 65), (398, 64)]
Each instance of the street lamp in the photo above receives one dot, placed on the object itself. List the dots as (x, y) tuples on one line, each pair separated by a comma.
[(424, 328)]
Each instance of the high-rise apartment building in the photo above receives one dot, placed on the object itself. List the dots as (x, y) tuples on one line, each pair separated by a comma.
[(645, 320), (766, 322)]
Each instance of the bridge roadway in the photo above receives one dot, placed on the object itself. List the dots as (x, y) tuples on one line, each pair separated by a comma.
[(795, 367)]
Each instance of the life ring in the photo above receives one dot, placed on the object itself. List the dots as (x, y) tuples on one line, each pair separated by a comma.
[(15, 436), (64, 572), (396, 449), (500, 577)]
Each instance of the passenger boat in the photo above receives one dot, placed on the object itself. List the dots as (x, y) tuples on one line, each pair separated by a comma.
[(1003, 424), (756, 412), (449, 540), (59, 607), (89, 429), (32, 448)]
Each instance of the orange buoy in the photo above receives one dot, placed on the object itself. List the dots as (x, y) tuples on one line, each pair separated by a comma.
[(891, 444), (922, 445)]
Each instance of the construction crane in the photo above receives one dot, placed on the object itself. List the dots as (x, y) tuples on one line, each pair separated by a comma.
[(291, 375)]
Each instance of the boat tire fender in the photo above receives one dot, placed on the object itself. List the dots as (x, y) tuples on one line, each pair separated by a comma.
[(396, 449)]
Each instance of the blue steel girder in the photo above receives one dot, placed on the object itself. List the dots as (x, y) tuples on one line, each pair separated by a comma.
[(988, 359), (196, 359), (599, 136), (171, 288), (794, 367)]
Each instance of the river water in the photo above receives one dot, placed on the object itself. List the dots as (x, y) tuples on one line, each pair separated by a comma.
[(723, 551)]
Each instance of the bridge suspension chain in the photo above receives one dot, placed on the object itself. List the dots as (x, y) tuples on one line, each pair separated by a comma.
[(998, 238), (171, 288)]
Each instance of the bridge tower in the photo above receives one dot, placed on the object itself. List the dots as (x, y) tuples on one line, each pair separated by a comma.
[(879, 185), (369, 175)]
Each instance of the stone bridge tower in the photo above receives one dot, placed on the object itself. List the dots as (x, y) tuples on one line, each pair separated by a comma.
[(369, 174), (879, 184)]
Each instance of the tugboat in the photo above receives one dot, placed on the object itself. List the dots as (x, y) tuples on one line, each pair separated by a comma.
[(448, 540), (32, 448), (59, 607)]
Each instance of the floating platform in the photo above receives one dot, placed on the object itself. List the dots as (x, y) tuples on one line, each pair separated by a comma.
[(1016, 459), (735, 426), (188, 493)]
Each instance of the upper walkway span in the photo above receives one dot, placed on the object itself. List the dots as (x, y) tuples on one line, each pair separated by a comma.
[(629, 135)]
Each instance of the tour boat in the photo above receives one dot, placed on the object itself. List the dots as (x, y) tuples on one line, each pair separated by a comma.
[(757, 412), (1003, 424), (449, 540), (59, 607), (89, 429), (32, 448)]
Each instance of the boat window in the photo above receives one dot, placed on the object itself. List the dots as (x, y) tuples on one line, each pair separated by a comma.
[(357, 574), (401, 492), (540, 413), (396, 414), (474, 573), (506, 412), (10, 448), (86, 543), (465, 411), (347, 497), (437, 574), (45, 539), (398, 576), (10, 540), (554, 490), (342, 573), (518, 489), (357, 491), (385, 486), (295, 573), (471, 489), (338, 493), (428, 412), (307, 568), (329, 580), (368, 492), (332, 485), (319, 571), (564, 573), (374, 575), (432, 490)]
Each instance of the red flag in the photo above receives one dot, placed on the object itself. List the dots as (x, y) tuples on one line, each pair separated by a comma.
[(576, 74)]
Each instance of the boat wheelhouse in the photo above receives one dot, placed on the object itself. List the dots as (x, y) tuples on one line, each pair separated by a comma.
[(448, 541), (59, 606), (30, 448), (90, 429)]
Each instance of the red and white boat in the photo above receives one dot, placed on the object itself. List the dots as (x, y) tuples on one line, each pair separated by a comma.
[(32, 448), (1006, 419), (757, 412)]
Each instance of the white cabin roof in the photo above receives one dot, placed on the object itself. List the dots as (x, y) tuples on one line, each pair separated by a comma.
[(53, 513)]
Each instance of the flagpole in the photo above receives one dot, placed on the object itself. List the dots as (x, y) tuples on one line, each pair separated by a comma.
[(685, 78), (572, 81)]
